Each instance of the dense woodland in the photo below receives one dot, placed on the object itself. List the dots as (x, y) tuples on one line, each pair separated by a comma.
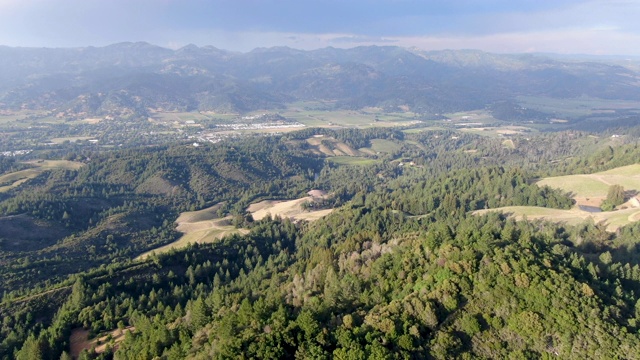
[(401, 269)]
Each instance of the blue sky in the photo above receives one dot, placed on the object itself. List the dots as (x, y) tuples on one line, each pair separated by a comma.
[(604, 27)]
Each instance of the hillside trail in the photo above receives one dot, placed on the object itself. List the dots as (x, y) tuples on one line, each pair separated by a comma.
[(31, 297), (601, 179)]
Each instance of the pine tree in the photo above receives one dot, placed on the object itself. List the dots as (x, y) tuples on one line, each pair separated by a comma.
[(32, 349)]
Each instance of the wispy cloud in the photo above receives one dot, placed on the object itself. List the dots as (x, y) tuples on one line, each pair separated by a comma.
[(563, 41), (362, 39), (582, 26)]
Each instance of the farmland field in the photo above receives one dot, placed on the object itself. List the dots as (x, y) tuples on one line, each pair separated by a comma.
[(385, 146), (8, 117), (331, 147), (575, 107), (498, 131), (364, 118), (71, 139)]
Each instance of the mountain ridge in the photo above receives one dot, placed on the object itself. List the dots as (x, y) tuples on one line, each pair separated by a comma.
[(267, 78)]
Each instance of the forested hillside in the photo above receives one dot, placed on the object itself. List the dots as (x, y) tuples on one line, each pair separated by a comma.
[(401, 268)]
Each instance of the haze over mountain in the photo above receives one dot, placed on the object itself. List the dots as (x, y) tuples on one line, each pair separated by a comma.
[(140, 76), (388, 179)]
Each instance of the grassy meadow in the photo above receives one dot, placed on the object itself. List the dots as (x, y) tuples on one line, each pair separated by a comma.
[(586, 189), (15, 179)]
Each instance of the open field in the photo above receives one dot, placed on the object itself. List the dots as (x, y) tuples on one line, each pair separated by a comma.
[(367, 151), (14, 184), (597, 184), (209, 213), (416, 144), (508, 143), (21, 175), (470, 116), (203, 226), (21, 116), (497, 131), (589, 190), (575, 107), (182, 117), (346, 149), (315, 118), (630, 170), (71, 139), (581, 186), (364, 118), (385, 146), (418, 130), (56, 164), (286, 209), (15, 179), (92, 121), (200, 232), (613, 219), (311, 114), (351, 160), (331, 147)]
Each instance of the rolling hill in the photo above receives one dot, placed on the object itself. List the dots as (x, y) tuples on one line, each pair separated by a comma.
[(589, 191)]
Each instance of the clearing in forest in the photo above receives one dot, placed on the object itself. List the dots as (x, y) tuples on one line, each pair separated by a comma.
[(589, 190), (61, 140), (15, 179), (203, 226), (330, 146), (292, 209), (352, 160), (574, 216), (384, 146), (79, 340)]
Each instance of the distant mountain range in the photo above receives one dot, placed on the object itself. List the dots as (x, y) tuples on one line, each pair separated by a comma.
[(131, 78)]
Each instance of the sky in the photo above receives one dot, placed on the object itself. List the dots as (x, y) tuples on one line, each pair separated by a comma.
[(597, 27)]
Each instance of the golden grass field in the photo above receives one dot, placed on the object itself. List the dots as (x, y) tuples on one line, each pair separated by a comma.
[(587, 190), (286, 209), (17, 178), (330, 147), (574, 216), (205, 226)]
